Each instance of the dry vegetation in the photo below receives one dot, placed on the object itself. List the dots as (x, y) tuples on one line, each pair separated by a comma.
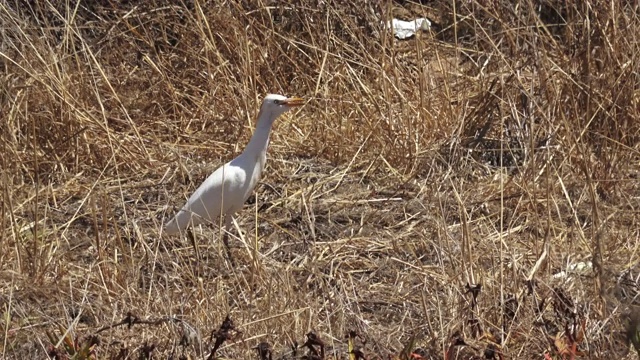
[(425, 196)]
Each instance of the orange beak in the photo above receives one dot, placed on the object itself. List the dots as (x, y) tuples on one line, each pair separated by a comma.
[(294, 101)]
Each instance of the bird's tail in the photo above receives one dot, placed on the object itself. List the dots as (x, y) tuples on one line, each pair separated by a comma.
[(180, 222), (172, 227)]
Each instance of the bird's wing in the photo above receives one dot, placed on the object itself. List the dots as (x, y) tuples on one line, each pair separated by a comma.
[(217, 195)]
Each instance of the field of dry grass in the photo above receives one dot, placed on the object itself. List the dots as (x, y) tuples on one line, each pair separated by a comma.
[(472, 192)]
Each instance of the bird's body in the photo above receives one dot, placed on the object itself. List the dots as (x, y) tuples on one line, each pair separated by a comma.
[(224, 192)]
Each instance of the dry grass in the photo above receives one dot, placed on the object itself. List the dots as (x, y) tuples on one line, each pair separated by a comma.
[(496, 150)]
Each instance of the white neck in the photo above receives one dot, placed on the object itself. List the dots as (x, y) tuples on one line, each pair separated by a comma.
[(260, 138)]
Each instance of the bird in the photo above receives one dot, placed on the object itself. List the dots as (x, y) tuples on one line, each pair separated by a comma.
[(225, 191)]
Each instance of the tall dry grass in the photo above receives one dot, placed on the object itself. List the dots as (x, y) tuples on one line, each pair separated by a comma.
[(497, 149)]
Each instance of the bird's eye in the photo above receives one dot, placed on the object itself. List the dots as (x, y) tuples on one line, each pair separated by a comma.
[(277, 102)]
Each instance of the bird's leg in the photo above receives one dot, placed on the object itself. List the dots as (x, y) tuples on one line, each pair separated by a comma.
[(192, 238), (225, 238)]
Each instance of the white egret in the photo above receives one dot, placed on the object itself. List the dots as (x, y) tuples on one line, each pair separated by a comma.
[(224, 192)]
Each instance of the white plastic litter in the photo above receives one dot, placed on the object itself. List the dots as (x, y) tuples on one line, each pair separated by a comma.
[(577, 268), (406, 29)]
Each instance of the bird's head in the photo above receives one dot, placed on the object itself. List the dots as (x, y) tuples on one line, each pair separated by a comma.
[(277, 104)]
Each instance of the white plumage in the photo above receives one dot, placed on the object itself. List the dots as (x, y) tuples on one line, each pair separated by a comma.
[(224, 192)]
